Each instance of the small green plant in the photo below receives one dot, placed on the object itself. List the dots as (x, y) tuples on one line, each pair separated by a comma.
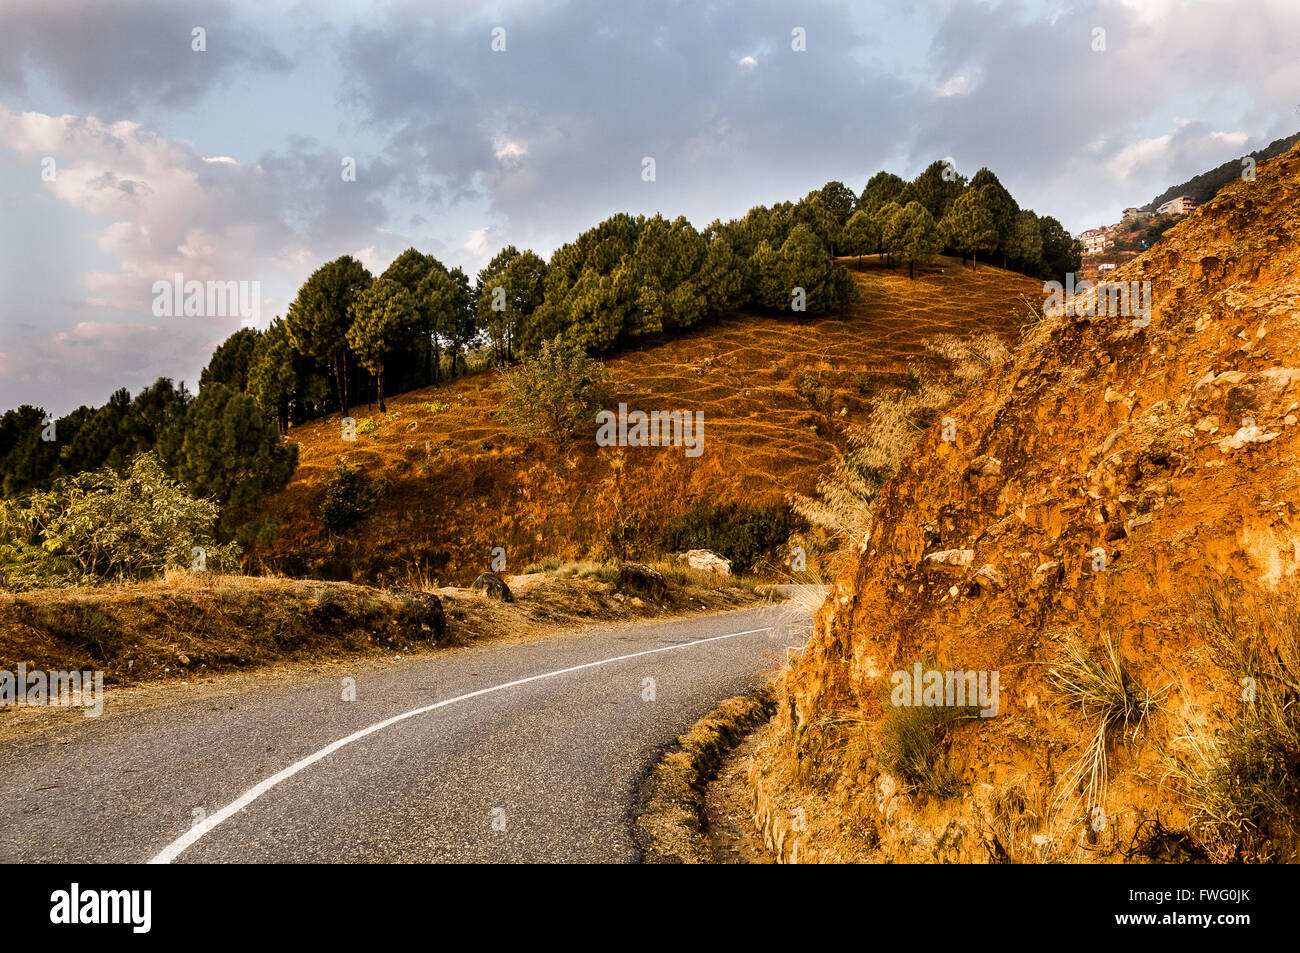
[(863, 384), (815, 392), (912, 380), (553, 394), (914, 745), (367, 426)]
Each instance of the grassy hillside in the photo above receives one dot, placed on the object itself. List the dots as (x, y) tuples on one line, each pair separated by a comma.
[(451, 484)]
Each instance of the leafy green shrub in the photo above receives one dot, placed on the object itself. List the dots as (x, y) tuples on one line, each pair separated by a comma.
[(367, 426), (741, 533), (107, 525), (553, 394), (348, 495)]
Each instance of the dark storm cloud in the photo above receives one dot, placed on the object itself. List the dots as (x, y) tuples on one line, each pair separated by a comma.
[(112, 58), (555, 128)]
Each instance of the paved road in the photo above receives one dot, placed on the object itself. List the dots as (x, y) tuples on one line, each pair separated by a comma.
[(547, 739)]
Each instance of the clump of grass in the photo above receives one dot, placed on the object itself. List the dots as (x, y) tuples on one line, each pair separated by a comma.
[(549, 564), (915, 744), (367, 425), (912, 379), (815, 392), (1113, 704), (1244, 783), (971, 357)]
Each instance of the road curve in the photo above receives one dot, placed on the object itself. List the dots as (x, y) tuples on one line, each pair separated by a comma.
[(501, 752)]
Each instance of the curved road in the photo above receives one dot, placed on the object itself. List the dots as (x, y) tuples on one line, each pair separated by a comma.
[(501, 752)]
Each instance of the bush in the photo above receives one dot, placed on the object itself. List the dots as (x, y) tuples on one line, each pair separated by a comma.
[(107, 525), (347, 497), (741, 533), (815, 392), (553, 394)]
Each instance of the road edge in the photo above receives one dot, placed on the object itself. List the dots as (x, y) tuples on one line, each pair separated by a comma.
[(669, 821)]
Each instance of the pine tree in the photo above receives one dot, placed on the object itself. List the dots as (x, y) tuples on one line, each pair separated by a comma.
[(380, 315), (320, 315)]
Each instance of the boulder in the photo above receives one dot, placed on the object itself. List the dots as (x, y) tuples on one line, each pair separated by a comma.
[(988, 577), (710, 562), (640, 579), (492, 586), (424, 616)]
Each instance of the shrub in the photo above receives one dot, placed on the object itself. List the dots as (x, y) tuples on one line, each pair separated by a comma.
[(108, 525), (741, 533), (914, 745), (347, 497), (815, 392), (554, 394)]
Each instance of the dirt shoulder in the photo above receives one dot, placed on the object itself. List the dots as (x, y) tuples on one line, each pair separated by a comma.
[(211, 636)]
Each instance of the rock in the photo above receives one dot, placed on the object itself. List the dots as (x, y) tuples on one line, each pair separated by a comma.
[(951, 558), (1043, 573), (988, 577), (641, 579), (492, 586), (1246, 435), (985, 466), (703, 559), (424, 617)]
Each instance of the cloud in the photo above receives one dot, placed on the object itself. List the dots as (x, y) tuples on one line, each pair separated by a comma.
[(116, 57)]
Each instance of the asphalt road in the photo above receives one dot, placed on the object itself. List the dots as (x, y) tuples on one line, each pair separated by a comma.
[(501, 752)]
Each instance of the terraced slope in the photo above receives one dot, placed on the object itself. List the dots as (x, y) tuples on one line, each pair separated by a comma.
[(458, 485)]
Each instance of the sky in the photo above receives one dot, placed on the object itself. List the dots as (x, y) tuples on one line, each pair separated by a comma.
[(128, 155)]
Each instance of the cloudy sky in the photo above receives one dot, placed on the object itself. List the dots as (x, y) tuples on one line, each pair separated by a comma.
[(127, 156)]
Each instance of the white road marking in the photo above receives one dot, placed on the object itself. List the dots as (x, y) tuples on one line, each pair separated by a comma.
[(190, 837)]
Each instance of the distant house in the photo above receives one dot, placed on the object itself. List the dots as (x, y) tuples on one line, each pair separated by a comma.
[(1094, 241), (1179, 206), (1135, 214), (1106, 266)]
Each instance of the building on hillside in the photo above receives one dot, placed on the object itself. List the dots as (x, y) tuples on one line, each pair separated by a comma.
[(1094, 241), (1179, 206), (1106, 266), (1136, 214)]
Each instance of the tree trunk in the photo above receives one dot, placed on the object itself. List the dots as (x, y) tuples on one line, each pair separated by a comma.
[(341, 381), (911, 269), (383, 409)]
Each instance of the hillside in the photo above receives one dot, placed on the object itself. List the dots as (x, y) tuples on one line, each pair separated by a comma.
[(1205, 186), (1171, 451), (455, 484)]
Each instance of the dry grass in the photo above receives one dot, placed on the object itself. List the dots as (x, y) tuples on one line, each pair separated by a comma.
[(1243, 782), (1113, 706), (460, 485)]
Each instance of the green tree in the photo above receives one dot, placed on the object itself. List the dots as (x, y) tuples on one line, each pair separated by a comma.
[(861, 235), (1062, 253), (969, 225), (320, 315), (1026, 242), (664, 269), (272, 374), (380, 315), (228, 449), (913, 235), (722, 276), (409, 269), (229, 362), (938, 187), (554, 393), (804, 263), (1001, 204), (881, 189)]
